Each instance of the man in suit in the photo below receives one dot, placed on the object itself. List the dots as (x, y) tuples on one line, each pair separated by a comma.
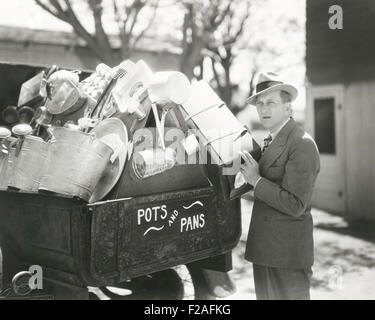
[(280, 239)]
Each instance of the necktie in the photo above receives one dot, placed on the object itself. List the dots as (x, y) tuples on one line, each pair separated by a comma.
[(266, 143)]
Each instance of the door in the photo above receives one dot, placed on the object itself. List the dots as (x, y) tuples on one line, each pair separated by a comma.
[(325, 122)]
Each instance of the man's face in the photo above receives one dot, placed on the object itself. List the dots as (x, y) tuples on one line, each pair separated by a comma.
[(271, 110)]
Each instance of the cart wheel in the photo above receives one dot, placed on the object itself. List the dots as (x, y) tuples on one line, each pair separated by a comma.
[(163, 285), (9, 264), (20, 283), (195, 284), (179, 283), (1, 271)]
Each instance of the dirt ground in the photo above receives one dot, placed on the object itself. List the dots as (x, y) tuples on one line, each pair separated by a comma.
[(344, 265)]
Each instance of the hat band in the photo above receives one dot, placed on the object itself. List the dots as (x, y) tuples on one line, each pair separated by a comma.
[(266, 84)]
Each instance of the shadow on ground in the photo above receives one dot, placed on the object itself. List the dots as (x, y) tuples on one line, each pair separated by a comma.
[(364, 230)]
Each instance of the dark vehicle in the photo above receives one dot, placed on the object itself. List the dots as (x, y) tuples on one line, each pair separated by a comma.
[(180, 217)]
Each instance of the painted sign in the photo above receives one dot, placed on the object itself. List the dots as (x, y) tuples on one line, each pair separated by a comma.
[(180, 217)]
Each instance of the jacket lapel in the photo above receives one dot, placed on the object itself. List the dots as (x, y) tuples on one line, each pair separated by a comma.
[(277, 145)]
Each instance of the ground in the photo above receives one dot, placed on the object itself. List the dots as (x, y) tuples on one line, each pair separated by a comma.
[(344, 265)]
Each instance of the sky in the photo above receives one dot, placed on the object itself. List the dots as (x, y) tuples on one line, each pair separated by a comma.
[(25, 13)]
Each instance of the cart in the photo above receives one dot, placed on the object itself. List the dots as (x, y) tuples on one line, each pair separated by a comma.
[(180, 217)]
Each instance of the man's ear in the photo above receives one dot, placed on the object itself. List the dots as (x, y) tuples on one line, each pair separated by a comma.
[(288, 107)]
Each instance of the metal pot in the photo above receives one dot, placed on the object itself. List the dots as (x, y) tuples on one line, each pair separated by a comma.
[(26, 114), (27, 164), (6, 161), (10, 115), (75, 163)]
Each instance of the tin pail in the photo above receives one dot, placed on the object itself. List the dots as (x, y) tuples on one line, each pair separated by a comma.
[(6, 162), (75, 163), (26, 165), (3, 168)]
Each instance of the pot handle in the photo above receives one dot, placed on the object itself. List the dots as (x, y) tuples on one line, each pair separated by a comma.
[(114, 155), (19, 144), (114, 142), (49, 131)]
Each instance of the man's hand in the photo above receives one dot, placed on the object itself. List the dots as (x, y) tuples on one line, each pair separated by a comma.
[(250, 168)]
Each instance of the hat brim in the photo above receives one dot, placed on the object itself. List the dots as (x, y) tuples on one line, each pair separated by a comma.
[(113, 170), (284, 87)]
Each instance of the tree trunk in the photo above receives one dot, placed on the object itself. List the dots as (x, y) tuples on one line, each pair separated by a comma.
[(192, 55), (252, 83), (227, 90)]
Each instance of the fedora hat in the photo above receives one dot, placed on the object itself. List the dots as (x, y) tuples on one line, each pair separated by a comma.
[(269, 81), (113, 132)]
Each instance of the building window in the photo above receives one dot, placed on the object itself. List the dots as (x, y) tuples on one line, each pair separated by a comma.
[(324, 110)]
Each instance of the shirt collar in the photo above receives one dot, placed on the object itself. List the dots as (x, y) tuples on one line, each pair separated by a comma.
[(276, 132)]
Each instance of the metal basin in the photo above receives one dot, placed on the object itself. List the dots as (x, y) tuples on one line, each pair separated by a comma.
[(75, 163)]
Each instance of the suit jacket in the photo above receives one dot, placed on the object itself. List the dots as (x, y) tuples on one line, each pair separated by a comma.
[(281, 227)]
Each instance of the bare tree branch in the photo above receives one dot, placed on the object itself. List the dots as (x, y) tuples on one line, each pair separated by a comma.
[(148, 26), (117, 16), (56, 13), (99, 42), (219, 19), (232, 39), (134, 19), (97, 10), (70, 17), (219, 87), (57, 5)]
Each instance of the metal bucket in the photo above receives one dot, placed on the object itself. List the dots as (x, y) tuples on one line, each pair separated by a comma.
[(75, 163), (6, 162), (26, 166), (3, 169)]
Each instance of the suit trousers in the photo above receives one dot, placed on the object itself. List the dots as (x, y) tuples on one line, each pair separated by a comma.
[(281, 283)]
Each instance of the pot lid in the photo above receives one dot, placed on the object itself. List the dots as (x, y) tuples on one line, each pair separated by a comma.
[(4, 133), (111, 131)]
